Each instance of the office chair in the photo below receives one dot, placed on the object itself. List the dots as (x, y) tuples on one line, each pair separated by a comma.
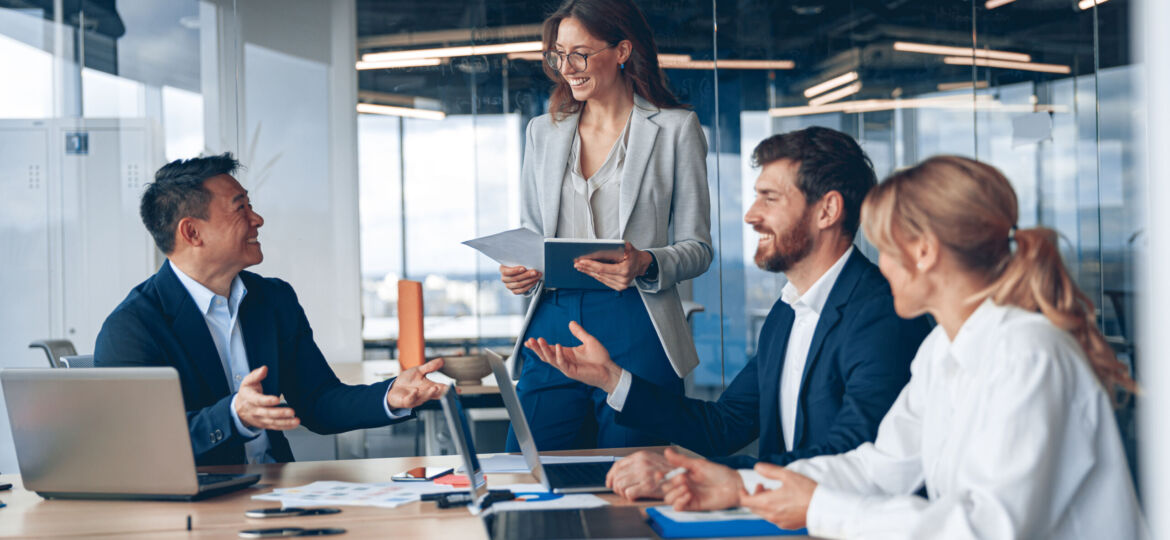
[(77, 361), (54, 349)]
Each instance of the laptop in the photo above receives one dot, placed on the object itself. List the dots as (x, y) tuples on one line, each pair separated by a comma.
[(558, 477), (610, 522), (106, 433)]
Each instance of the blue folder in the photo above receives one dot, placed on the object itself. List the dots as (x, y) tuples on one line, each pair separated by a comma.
[(669, 528)]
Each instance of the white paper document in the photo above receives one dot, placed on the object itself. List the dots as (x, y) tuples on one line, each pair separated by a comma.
[(508, 463), (732, 514), (534, 497), (331, 493), (521, 247)]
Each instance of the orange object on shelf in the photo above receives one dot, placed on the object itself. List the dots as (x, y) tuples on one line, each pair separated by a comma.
[(410, 324)]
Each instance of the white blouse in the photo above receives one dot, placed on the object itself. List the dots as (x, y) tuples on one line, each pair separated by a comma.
[(589, 208), (1011, 433)]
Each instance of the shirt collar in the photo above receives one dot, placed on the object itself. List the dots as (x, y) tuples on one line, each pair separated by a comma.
[(816, 296), (971, 341), (204, 296)]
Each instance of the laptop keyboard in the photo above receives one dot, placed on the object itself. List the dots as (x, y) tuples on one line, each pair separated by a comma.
[(538, 524), (570, 475)]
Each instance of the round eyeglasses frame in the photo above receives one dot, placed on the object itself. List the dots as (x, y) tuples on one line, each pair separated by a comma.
[(577, 61)]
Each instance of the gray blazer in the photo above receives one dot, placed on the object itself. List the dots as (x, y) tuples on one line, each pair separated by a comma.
[(665, 208)]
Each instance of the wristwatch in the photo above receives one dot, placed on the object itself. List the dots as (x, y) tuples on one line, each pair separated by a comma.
[(651, 273)]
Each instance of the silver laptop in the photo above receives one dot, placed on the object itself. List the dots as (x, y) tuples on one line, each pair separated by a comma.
[(609, 522), (106, 433), (559, 477)]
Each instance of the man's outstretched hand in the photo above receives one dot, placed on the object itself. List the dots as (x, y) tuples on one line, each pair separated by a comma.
[(412, 388)]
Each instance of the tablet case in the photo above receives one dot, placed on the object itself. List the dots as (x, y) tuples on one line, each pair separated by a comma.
[(559, 254)]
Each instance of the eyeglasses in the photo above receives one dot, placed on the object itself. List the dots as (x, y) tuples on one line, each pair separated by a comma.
[(577, 61)]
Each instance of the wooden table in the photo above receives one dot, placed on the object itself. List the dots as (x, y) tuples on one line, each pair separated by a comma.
[(27, 515)]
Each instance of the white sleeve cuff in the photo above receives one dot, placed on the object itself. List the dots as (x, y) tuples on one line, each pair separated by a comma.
[(244, 431), (752, 480), (617, 398), (829, 511), (393, 414)]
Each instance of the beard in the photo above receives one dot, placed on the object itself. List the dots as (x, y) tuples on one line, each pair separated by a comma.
[(789, 247)]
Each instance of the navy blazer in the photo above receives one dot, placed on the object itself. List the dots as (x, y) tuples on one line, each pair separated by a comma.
[(158, 324), (857, 364)]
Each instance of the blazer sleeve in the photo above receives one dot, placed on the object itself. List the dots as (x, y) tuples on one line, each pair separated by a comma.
[(690, 253), (124, 341), (323, 403), (876, 355), (710, 428)]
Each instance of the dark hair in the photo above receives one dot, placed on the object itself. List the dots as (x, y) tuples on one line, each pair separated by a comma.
[(828, 160), (611, 21), (177, 192)]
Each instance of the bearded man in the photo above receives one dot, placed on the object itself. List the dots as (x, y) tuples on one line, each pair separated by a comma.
[(832, 356)]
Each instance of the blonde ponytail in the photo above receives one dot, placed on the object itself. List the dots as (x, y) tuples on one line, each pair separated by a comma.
[(972, 209)]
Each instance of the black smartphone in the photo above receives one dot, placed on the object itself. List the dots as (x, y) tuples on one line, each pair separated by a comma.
[(284, 532), (287, 511), (420, 474)]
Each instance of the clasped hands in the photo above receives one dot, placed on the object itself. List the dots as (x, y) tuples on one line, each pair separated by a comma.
[(260, 411), (617, 275)]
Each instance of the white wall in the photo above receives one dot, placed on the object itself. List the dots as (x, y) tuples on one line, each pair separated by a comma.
[(1152, 44)]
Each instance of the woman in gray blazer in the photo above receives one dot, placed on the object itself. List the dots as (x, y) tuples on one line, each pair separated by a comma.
[(617, 157)]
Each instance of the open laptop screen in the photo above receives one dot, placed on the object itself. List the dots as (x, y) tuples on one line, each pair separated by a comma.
[(461, 433)]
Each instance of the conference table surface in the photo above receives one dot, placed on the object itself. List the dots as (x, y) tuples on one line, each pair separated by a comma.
[(28, 515)]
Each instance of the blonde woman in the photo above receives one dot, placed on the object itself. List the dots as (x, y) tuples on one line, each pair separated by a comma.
[(1007, 421)]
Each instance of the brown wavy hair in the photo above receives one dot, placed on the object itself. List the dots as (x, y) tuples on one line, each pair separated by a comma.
[(972, 209), (611, 21)]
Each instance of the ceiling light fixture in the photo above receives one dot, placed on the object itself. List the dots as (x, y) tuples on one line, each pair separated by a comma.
[(836, 94), (945, 50), (396, 64), (992, 4), (960, 85), (981, 102), (451, 52), (1087, 4), (1023, 66), (728, 64), (388, 110), (821, 88)]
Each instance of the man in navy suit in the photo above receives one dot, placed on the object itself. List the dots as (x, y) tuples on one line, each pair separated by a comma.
[(832, 356), (238, 340)]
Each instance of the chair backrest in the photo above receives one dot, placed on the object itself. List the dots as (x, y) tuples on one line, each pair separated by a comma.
[(77, 361), (54, 349)]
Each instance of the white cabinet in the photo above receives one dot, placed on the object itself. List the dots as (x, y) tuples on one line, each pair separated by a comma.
[(71, 241)]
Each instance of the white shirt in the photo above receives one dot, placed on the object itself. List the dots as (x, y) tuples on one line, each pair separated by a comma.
[(807, 308), (589, 208), (808, 312), (1011, 433), (222, 318)]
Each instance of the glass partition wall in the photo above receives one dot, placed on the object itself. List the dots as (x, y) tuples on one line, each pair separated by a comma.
[(1040, 89)]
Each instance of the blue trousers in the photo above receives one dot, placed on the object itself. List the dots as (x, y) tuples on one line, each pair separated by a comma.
[(564, 414)]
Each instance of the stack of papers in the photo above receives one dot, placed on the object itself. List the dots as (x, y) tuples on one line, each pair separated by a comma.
[(330, 493)]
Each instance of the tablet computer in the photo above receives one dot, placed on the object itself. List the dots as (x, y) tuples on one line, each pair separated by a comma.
[(560, 253)]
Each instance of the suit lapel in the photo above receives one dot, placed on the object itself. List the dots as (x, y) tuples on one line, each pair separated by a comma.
[(770, 369), (191, 331), (830, 316), (643, 132), (552, 169), (258, 327)]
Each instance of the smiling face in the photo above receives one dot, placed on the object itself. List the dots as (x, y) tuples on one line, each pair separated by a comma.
[(230, 234), (781, 215), (601, 74)]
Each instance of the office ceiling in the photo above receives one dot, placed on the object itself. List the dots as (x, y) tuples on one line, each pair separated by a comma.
[(823, 38)]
